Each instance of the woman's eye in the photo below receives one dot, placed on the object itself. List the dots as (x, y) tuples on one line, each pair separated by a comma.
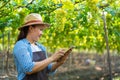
[(41, 29)]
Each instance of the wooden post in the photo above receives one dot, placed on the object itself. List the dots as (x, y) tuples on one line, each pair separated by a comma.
[(107, 46)]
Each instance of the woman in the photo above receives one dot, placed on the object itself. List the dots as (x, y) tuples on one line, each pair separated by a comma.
[(30, 57)]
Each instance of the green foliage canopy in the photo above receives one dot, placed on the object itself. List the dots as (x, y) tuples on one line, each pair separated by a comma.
[(73, 22)]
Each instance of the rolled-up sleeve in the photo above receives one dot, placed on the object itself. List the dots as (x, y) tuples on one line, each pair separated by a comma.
[(24, 59), (49, 68)]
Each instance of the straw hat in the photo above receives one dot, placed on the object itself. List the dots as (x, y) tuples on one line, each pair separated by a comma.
[(33, 19)]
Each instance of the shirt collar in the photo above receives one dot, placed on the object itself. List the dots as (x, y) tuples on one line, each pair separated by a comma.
[(28, 42)]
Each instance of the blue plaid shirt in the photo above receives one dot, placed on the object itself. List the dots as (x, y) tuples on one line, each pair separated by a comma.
[(23, 58)]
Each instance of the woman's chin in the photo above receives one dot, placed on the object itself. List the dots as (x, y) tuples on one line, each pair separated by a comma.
[(37, 39)]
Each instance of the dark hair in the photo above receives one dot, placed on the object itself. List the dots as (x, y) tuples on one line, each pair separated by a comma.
[(23, 33)]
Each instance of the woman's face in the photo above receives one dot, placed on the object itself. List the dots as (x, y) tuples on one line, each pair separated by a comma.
[(36, 32)]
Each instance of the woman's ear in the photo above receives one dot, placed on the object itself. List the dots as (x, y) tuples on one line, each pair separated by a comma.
[(31, 28)]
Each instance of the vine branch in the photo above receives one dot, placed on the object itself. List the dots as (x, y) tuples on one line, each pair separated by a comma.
[(4, 4), (25, 5)]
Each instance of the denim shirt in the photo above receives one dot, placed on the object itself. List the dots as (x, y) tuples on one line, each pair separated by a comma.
[(23, 58)]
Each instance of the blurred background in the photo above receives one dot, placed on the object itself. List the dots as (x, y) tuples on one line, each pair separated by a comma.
[(78, 23)]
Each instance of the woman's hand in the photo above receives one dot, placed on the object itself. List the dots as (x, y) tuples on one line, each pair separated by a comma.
[(57, 55), (62, 59)]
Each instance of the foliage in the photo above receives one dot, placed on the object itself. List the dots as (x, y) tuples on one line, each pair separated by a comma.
[(73, 22)]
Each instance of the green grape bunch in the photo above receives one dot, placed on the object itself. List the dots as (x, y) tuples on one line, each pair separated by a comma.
[(60, 19)]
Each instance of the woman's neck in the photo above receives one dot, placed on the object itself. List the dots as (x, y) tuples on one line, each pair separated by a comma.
[(29, 38)]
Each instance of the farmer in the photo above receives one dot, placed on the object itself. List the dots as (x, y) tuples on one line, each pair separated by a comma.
[(30, 56)]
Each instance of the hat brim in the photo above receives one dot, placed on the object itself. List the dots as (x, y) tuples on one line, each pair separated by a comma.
[(35, 23)]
